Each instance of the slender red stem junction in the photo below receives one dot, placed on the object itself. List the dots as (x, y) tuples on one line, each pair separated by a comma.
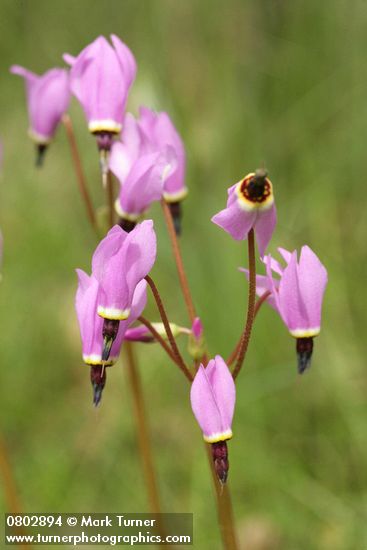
[(172, 341), (250, 306), (82, 182), (158, 337), (258, 305), (179, 263)]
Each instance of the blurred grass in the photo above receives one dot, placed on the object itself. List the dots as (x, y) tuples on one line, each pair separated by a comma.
[(281, 84)]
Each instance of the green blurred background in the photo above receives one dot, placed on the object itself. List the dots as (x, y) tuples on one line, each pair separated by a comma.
[(247, 83)]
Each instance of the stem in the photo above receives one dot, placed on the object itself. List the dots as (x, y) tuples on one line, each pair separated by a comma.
[(224, 508), (260, 302), (110, 200), (258, 305), (10, 489), (179, 263), (82, 182), (142, 430), (250, 306), (158, 337), (172, 341)]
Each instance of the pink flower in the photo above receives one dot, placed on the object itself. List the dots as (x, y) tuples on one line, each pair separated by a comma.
[(213, 396), (91, 329), (119, 263), (297, 296), (91, 324), (158, 130), (139, 170), (48, 98), (250, 205), (101, 76)]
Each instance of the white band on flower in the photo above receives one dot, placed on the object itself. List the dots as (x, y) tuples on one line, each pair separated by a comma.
[(107, 125), (214, 438), (113, 313)]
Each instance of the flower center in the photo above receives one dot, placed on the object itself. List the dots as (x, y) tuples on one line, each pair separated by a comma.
[(256, 188)]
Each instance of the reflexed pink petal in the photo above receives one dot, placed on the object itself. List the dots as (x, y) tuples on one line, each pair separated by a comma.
[(264, 226), (141, 253), (48, 98), (213, 397), (312, 278), (120, 161), (286, 255), (224, 389), (101, 77), (235, 221), (143, 185), (292, 307), (126, 59), (90, 324), (263, 285), (108, 247), (204, 405)]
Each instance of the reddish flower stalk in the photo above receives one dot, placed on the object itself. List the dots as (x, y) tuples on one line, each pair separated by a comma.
[(143, 431), (159, 338), (110, 199), (224, 507), (179, 263), (172, 341), (250, 307), (258, 305), (82, 183), (11, 496)]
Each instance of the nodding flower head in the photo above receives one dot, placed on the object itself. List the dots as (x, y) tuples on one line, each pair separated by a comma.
[(91, 328), (101, 76), (213, 397), (250, 205), (161, 135), (296, 294), (119, 263), (139, 170), (48, 97)]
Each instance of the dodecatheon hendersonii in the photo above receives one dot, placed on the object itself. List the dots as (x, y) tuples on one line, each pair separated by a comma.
[(213, 396), (91, 327), (119, 263), (297, 296), (160, 133), (101, 77), (250, 205), (48, 97), (139, 170)]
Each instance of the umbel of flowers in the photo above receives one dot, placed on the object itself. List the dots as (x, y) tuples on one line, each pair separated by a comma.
[(147, 156)]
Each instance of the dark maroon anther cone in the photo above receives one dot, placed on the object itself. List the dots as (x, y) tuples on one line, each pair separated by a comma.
[(220, 459), (109, 333), (126, 225), (40, 154), (104, 140), (176, 213), (304, 347), (98, 379), (256, 185)]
